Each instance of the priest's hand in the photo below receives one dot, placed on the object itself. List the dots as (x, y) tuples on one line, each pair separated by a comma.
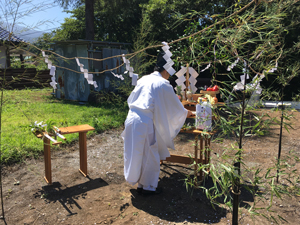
[(189, 114)]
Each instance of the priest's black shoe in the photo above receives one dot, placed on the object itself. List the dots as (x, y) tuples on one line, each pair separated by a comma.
[(139, 190), (156, 192)]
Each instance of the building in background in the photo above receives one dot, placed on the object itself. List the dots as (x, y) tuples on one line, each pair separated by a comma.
[(72, 85), (8, 43)]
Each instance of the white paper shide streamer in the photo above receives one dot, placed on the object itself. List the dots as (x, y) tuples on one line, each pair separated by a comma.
[(52, 70), (168, 66), (52, 73), (233, 64), (87, 75), (192, 79), (118, 76), (272, 70), (130, 69), (206, 68)]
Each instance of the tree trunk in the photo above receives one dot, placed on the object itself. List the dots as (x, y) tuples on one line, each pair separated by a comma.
[(22, 61), (89, 20), (7, 57)]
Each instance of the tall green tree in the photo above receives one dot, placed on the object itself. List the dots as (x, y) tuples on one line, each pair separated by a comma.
[(114, 20), (89, 20), (73, 27), (118, 20), (89, 14), (170, 18)]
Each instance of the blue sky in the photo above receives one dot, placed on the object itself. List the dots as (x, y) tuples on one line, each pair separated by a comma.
[(53, 13), (43, 11)]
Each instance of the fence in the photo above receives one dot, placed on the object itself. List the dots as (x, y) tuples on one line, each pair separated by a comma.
[(24, 78)]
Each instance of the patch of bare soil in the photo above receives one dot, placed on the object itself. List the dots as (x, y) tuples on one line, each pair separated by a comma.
[(105, 198)]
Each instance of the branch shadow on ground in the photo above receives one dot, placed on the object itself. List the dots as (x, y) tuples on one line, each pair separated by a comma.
[(68, 196), (176, 204), (179, 204)]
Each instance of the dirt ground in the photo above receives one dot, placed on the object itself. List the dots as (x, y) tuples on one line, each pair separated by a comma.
[(105, 198)]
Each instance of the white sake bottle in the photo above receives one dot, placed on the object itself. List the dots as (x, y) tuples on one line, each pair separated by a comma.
[(203, 116), (208, 116)]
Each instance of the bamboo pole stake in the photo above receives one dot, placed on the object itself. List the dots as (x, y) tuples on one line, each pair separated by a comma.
[(1, 191), (280, 136), (187, 79)]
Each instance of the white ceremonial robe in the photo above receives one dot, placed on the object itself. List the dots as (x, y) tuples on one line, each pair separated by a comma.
[(154, 119)]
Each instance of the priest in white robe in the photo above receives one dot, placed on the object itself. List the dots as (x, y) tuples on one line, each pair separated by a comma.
[(154, 119)]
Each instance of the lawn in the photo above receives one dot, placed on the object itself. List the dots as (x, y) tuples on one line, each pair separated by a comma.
[(22, 108)]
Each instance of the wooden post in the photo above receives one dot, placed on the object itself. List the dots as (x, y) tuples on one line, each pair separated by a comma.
[(280, 139), (208, 141), (22, 61), (201, 156), (196, 160), (206, 151), (83, 153), (47, 158), (187, 78)]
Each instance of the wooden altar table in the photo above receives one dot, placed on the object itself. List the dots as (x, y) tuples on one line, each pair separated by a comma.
[(82, 130)]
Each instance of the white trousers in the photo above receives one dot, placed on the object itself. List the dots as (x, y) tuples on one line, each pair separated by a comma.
[(141, 157)]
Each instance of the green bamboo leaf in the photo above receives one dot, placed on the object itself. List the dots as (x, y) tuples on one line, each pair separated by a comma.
[(286, 128), (281, 218)]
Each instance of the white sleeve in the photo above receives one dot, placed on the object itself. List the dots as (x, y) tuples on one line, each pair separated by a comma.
[(169, 114)]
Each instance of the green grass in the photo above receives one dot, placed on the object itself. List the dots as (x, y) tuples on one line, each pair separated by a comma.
[(23, 107)]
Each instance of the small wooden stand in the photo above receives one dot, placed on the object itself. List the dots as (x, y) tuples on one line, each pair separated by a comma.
[(47, 159), (82, 130), (201, 154), (47, 155), (201, 142)]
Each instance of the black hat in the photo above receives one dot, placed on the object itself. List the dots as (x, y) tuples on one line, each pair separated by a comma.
[(160, 61)]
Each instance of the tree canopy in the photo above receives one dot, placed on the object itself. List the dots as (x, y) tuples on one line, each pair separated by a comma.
[(119, 20), (269, 27)]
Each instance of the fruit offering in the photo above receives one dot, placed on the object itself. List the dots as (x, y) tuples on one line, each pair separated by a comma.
[(215, 88), (201, 99), (215, 99)]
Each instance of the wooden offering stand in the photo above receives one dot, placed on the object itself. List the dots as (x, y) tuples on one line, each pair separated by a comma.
[(201, 141), (201, 151), (82, 130), (201, 145), (190, 106), (47, 154), (211, 93)]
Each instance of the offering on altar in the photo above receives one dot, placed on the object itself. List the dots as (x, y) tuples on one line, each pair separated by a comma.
[(203, 114), (212, 91), (208, 98), (189, 96), (183, 95)]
